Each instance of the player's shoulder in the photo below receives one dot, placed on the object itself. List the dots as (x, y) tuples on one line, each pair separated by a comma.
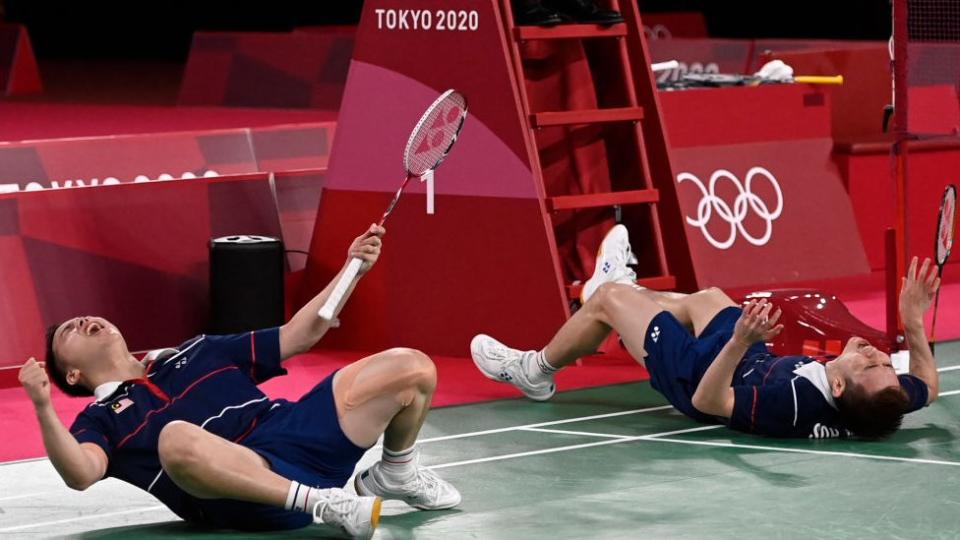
[(193, 342)]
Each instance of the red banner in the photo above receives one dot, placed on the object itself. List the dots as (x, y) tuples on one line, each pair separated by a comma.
[(98, 161), (763, 201), (304, 69), (135, 254)]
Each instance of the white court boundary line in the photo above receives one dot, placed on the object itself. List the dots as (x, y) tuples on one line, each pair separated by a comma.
[(816, 452), (614, 436), (82, 518), (542, 424), (27, 495), (618, 440)]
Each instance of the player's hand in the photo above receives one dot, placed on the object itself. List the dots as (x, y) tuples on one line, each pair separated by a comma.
[(34, 380), (917, 291), (756, 323), (367, 247)]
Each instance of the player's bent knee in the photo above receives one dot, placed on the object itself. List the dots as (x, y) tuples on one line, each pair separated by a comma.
[(611, 296), (179, 446), (717, 294), (418, 368), (602, 296)]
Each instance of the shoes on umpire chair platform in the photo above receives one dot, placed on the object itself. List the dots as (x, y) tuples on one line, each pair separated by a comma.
[(585, 11), (533, 13)]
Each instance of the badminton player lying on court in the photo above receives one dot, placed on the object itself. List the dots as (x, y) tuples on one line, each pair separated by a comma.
[(707, 356), (192, 428)]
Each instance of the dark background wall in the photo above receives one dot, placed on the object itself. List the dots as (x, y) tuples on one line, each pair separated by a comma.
[(162, 30)]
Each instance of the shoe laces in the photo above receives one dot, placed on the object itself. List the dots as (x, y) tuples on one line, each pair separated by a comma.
[(502, 353), (623, 274), (337, 501), (428, 482), (624, 255)]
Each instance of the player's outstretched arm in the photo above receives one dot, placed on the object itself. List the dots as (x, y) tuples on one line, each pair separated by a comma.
[(714, 395), (305, 328), (916, 295), (79, 464)]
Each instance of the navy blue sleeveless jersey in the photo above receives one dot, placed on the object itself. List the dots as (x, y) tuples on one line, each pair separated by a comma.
[(211, 382)]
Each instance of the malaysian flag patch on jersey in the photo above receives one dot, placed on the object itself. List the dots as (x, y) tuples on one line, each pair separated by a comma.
[(120, 405)]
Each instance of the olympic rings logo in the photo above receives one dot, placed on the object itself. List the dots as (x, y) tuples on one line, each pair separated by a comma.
[(745, 202)]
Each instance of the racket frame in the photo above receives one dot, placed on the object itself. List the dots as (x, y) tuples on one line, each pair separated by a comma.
[(946, 256), (328, 311)]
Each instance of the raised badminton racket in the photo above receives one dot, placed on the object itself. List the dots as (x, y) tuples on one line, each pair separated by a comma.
[(946, 225), (428, 145)]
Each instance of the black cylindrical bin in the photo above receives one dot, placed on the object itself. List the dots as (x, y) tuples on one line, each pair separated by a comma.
[(246, 283)]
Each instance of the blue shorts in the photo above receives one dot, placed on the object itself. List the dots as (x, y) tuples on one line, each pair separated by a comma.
[(302, 441), (677, 360)]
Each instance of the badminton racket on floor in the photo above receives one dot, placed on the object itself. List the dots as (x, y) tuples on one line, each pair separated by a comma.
[(946, 224), (428, 145)]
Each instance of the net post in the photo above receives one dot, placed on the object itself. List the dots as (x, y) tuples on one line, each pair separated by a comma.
[(898, 251), (890, 280)]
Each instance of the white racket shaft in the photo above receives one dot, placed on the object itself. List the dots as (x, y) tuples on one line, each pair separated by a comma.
[(340, 289)]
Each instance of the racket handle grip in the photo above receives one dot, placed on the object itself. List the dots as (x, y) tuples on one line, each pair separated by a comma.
[(336, 295)]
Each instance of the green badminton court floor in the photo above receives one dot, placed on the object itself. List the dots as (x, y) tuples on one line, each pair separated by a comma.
[(610, 462)]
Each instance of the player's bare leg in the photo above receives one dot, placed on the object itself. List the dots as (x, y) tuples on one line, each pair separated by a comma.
[(695, 311), (613, 306), (389, 393), (210, 467), (623, 307)]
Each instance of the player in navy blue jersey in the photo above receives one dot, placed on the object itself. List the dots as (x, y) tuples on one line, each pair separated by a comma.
[(707, 356), (191, 427)]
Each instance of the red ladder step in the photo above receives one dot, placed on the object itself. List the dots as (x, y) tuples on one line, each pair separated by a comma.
[(569, 31), (586, 116), (596, 200)]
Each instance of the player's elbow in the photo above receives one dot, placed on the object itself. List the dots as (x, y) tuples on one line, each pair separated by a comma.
[(701, 403), (79, 484), (711, 405), (297, 337)]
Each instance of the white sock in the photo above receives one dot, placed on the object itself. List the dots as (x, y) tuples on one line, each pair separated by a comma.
[(399, 466), (302, 498), (536, 368)]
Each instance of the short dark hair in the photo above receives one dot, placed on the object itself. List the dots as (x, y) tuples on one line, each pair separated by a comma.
[(875, 416), (56, 372)]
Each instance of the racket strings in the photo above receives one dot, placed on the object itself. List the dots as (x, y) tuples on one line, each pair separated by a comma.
[(435, 134), (946, 225)]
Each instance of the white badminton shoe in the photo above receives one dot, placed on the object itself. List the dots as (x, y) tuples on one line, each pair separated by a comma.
[(357, 516), (501, 363), (613, 258), (426, 491)]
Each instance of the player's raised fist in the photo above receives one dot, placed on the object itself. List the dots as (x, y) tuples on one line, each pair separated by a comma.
[(34, 380)]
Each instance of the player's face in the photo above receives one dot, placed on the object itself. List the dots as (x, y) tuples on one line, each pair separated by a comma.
[(82, 341), (865, 365)]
